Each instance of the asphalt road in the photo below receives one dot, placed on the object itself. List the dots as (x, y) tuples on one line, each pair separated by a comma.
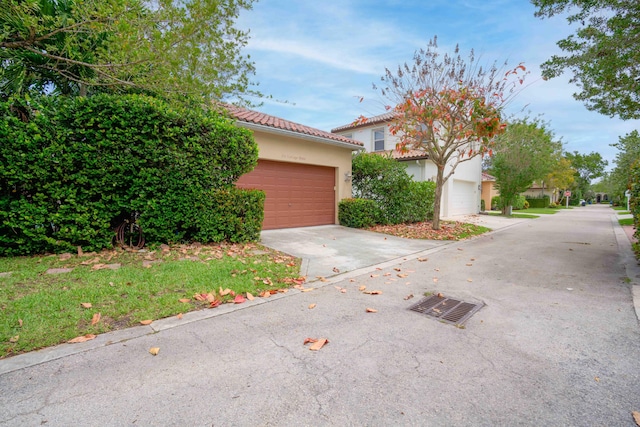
[(557, 344)]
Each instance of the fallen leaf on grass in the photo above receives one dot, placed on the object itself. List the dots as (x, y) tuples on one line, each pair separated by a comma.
[(239, 299), (373, 292), (224, 292), (371, 310), (86, 304), (91, 261), (214, 304), (14, 339), (146, 322), (82, 338), (154, 350), (184, 300), (264, 294), (312, 306), (250, 296), (20, 322), (636, 417), (210, 297), (199, 297), (95, 319)]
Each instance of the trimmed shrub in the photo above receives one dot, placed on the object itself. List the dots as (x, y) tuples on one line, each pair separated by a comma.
[(83, 165), (482, 205), (398, 198), (634, 200), (497, 203), (357, 213), (539, 202)]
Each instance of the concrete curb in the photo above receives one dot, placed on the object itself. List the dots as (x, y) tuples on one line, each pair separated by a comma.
[(629, 261)]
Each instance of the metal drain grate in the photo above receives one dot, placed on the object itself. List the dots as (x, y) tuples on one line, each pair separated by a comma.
[(445, 309)]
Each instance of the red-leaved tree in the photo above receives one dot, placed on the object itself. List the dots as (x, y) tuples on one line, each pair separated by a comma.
[(448, 107)]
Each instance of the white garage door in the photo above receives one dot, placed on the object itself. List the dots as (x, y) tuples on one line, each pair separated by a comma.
[(463, 199)]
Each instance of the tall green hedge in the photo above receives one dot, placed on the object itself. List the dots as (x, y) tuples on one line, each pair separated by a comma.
[(634, 200), (81, 166), (539, 202), (398, 199)]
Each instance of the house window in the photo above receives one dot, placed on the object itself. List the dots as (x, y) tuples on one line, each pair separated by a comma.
[(378, 140)]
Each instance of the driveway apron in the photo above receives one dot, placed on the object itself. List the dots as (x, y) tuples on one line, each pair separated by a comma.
[(557, 343)]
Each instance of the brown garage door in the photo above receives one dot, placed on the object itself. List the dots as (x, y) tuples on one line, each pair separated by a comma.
[(297, 195)]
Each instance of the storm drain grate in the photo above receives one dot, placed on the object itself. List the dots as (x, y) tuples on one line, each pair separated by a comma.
[(445, 309)]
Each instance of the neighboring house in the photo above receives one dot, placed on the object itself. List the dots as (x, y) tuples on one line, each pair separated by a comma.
[(539, 189), (304, 171), (461, 192), (489, 190)]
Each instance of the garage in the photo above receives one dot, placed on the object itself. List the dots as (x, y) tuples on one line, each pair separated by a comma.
[(297, 195), (463, 198)]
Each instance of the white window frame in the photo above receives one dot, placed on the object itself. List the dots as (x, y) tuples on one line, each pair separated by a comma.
[(374, 140)]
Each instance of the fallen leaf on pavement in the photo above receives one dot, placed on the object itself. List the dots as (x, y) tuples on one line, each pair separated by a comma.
[(386, 274), (86, 305), (352, 280), (336, 270), (472, 259), (597, 379), (636, 417), (423, 259), (308, 340), (146, 322), (375, 275), (460, 249), (435, 280), (469, 280), (312, 306), (440, 295), (318, 344), (408, 296), (397, 269), (371, 310), (184, 300), (362, 288), (154, 350), (250, 296), (179, 316), (402, 276), (82, 338), (322, 278), (373, 292), (307, 290), (468, 264), (95, 319)]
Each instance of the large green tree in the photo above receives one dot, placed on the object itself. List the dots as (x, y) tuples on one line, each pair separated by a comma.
[(168, 47), (603, 54), (525, 153), (628, 153), (588, 167)]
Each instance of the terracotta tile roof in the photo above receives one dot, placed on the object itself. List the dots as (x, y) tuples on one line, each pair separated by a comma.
[(487, 177), (255, 117), (381, 118), (408, 155)]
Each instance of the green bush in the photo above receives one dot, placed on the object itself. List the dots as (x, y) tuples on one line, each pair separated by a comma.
[(482, 205), (634, 200), (497, 203), (398, 198), (357, 213), (81, 166), (539, 202)]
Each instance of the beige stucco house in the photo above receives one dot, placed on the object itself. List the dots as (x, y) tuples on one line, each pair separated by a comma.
[(461, 193), (489, 190), (304, 171)]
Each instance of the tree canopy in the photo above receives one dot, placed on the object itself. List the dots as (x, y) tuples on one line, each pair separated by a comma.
[(603, 54), (525, 153), (628, 154), (169, 47), (448, 107), (588, 167)]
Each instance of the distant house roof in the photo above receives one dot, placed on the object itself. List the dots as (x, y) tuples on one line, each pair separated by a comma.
[(266, 122), (487, 177), (407, 155), (381, 118)]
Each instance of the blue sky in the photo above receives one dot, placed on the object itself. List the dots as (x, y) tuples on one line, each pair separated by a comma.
[(317, 58)]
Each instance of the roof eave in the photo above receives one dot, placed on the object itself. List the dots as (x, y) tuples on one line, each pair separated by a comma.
[(284, 132)]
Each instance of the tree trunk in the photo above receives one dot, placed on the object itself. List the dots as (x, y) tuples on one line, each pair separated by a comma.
[(438, 199)]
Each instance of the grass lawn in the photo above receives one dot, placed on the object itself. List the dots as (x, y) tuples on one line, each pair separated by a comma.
[(625, 212), (619, 208), (626, 221), (117, 289)]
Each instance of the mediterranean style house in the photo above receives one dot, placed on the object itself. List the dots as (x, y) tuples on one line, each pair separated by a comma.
[(461, 193)]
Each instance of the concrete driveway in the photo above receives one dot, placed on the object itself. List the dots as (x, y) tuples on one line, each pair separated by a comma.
[(557, 343)]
